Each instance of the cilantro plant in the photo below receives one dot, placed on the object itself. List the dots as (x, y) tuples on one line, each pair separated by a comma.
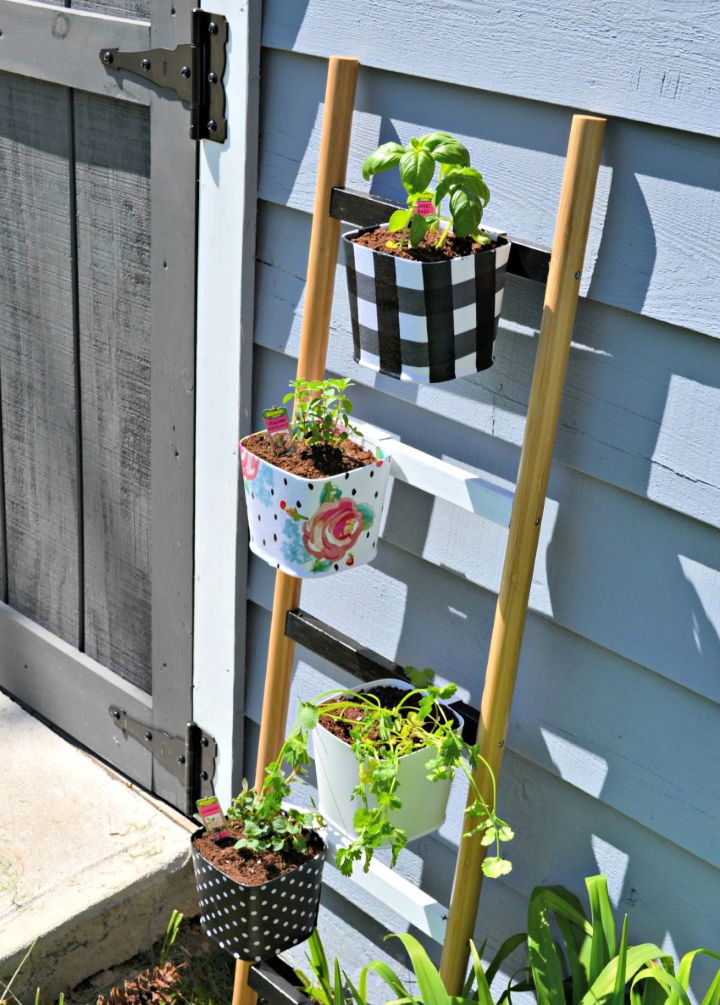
[(458, 181), (267, 826), (322, 411), (379, 738)]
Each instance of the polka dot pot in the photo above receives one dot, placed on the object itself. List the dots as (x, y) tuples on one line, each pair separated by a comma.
[(256, 922), (317, 527)]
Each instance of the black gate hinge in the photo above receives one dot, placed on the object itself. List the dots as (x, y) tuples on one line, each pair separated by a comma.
[(194, 71), (190, 759)]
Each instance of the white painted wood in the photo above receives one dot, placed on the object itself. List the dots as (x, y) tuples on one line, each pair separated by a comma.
[(635, 258), (72, 40), (652, 62), (479, 494), (226, 251), (385, 885)]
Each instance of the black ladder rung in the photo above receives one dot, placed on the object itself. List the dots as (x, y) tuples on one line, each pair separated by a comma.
[(361, 662), (531, 261)]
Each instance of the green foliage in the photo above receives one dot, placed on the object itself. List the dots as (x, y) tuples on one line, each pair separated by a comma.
[(322, 411), (171, 934), (599, 969), (267, 825), (458, 182), (379, 739)]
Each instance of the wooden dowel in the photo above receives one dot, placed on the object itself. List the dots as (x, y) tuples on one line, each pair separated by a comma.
[(312, 355), (573, 221)]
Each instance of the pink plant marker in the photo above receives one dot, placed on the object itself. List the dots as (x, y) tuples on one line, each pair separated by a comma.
[(424, 207)]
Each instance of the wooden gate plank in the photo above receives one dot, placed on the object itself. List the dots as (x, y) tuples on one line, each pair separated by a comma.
[(123, 8), (70, 43), (37, 358), (113, 213)]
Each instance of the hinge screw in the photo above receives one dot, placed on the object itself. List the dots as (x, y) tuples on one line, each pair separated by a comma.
[(181, 758), (204, 775), (212, 125), (107, 56), (212, 28), (116, 714), (205, 742), (148, 734), (185, 72), (146, 64), (212, 77)]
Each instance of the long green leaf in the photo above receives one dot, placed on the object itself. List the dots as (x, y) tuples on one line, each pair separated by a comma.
[(604, 940), (618, 995), (482, 987), (387, 974), (604, 983), (338, 993), (666, 980), (432, 989), (543, 956), (506, 949), (685, 965), (713, 994)]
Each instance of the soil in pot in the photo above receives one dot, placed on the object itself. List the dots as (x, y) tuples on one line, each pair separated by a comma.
[(320, 460), (389, 697), (453, 247), (247, 867)]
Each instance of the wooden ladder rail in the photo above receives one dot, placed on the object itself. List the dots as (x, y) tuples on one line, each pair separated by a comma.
[(322, 258), (561, 297)]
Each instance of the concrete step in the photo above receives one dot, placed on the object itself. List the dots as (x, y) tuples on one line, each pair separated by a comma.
[(90, 866)]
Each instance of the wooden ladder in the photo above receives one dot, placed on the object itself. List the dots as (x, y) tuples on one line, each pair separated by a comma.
[(486, 496)]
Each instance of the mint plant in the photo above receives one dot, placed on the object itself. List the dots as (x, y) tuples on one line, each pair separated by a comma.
[(380, 737), (267, 825), (458, 181), (322, 411)]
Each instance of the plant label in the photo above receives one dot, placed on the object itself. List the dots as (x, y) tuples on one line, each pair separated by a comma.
[(213, 817), (278, 427), (424, 207)]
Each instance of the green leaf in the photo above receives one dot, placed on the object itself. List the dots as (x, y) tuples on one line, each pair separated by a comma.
[(604, 940), (451, 151), (666, 981), (494, 866), (466, 212), (432, 140), (329, 493), (416, 169), (543, 955), (320, 565), (637, 957), (482, 986), (386, 156), (387, 974), (308, 715), (418, 229), (618, 995), (399, 220), (431, 987), (420, 679)]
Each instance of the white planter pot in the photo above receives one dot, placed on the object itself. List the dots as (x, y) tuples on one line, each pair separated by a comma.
[(317, 527), (424, 803)]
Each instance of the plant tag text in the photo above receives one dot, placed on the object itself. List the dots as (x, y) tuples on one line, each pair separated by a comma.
[(278, 427), (213, 817), (424, 207)]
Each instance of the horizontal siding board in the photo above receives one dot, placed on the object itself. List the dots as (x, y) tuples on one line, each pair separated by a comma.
[(37, 356), (640, 256), (113, 201), (641, 405), (652, 62)]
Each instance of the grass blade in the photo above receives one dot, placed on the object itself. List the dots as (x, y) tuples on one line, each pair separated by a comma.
[(431, 987), (482, 987), (604, 941)]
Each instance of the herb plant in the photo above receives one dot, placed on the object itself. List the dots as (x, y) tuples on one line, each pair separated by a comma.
[(379, 739), (322, 411), (267, 825), (458, 181)]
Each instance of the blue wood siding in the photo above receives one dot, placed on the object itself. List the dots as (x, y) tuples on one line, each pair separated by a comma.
[(615, 726)]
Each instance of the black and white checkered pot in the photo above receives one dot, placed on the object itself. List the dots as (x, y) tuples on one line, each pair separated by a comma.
[(424, 321), (256, 922)]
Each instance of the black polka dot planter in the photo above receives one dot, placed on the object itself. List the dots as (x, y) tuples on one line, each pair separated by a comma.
[(255, 923), (318, 527)]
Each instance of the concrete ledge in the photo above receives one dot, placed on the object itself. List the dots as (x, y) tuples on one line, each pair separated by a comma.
[(90, 867)]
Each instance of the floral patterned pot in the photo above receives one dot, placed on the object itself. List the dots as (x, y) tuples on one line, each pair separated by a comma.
[(424, 803), (256, 922), (318, 527)]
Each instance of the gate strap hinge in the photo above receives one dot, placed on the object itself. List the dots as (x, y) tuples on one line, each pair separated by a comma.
[(194, 71), (190, 759)]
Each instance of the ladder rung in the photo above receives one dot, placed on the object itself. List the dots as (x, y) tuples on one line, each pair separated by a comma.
[(358, 660), (484, 495)]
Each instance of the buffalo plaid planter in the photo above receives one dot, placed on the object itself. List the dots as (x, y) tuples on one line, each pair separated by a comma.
[(424, 322)]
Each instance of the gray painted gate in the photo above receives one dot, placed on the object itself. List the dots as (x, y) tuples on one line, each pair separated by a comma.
[(97, 307)]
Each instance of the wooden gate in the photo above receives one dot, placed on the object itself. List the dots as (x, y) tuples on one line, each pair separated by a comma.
[(97, 329)]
